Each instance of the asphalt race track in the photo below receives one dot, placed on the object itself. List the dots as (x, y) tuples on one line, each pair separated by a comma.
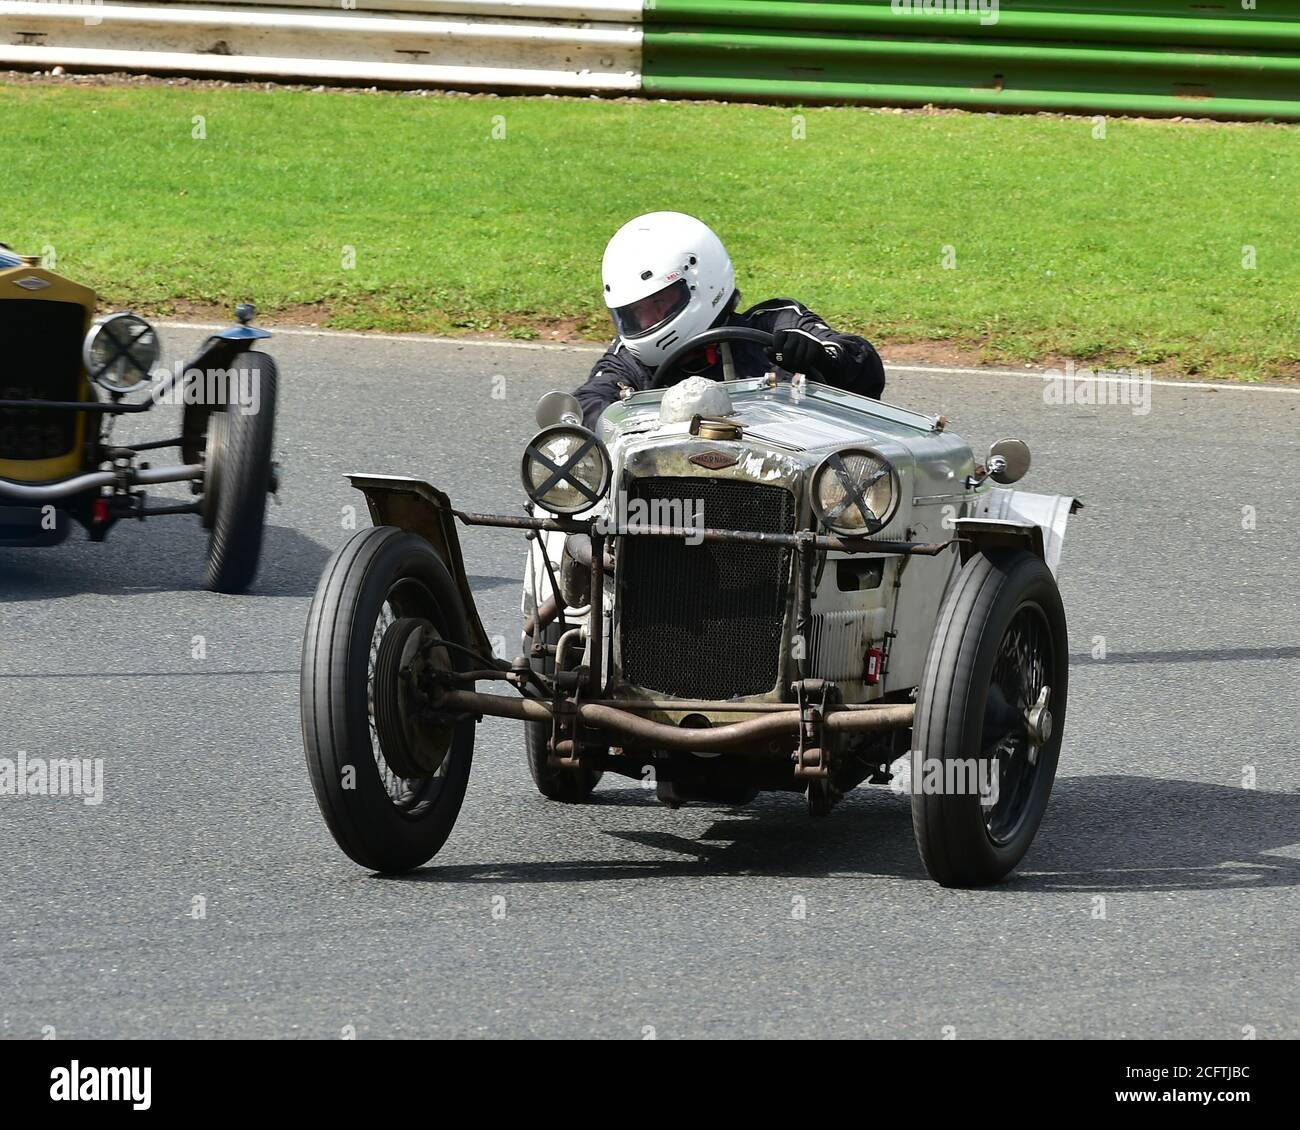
[(204, 896)]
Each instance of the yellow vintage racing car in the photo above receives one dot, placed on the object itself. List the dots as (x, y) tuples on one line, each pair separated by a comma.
[(65, 377)]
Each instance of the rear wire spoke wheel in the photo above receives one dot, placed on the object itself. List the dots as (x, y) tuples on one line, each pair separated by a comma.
[(989, 745), (389, 777)]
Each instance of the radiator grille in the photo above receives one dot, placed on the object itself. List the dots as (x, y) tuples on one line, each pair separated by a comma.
[(705, 621), (40, 359)]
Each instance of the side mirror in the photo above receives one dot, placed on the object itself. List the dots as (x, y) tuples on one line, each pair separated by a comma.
[(1008, 461), (558, 408)]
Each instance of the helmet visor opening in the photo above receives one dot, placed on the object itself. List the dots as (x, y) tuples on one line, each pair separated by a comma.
[(647, 314)]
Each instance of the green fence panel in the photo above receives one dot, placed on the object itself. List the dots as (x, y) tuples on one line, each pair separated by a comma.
[(1159, 57)]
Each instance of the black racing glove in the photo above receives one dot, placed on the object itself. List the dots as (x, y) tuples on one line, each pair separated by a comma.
[(798, 351)]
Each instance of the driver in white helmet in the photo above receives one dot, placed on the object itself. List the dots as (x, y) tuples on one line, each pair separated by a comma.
[(667, 278)]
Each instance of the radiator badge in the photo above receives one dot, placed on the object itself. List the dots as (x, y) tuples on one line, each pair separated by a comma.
[(31, 282), (713, 460)]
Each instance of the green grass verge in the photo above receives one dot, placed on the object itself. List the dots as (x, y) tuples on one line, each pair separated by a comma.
[(1122, 250)]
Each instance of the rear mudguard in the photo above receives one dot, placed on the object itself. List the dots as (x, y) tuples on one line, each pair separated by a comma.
[(414, 505)]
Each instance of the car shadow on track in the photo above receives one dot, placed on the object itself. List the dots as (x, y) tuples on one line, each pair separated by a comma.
[(166, 557), (1102, 834), (1120, 833)]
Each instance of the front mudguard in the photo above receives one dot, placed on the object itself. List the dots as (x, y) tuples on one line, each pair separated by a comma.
[(414, 505), (218, 352), (1004, 517)]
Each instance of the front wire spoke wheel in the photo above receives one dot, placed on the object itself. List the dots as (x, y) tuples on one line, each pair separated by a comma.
[(1020, 673), (999, 645), (409, 794), (388, 772), (403, 791)]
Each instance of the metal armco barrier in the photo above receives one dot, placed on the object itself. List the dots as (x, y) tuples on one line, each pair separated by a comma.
[(1184, 57), (1210, 58), (489, 44)]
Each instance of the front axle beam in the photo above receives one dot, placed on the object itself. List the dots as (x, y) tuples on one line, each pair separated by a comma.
[(619, 721)]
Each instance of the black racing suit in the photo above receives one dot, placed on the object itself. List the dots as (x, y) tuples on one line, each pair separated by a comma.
[(855, 364)]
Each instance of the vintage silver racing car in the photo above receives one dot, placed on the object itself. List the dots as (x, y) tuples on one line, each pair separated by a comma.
[(732, 587)]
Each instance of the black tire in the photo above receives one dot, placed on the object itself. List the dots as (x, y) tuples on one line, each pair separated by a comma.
[(570, 786), (382, 822), (1003, 605), (237, 515)]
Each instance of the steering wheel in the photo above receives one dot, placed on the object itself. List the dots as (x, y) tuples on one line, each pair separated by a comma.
[(672, 362)]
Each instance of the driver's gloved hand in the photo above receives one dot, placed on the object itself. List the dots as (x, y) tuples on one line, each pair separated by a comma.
[(798, 351)]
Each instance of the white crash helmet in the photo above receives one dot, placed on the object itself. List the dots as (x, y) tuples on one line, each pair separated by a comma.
[(667, 277)]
